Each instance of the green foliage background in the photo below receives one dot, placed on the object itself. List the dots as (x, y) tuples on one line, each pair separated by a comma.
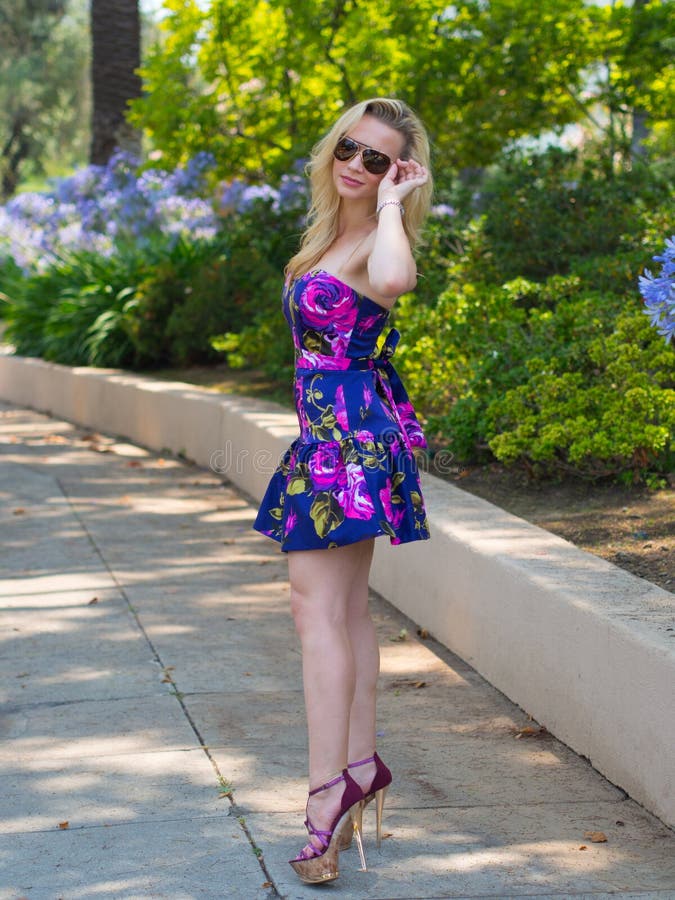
[(257, 82), (525, 340)]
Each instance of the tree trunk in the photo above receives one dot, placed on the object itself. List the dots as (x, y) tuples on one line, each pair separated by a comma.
[(116, 54), (16, 149)]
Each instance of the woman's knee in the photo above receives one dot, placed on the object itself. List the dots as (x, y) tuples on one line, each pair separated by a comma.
[(316, 611), (300, 608)]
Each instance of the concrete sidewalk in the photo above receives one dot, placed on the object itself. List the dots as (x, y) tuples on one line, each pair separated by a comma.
[(150, 667)]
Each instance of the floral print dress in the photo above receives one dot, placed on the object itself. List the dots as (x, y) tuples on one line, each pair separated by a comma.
[(351, 474)]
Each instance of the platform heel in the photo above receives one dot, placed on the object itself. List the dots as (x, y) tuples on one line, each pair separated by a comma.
[(315, 866)]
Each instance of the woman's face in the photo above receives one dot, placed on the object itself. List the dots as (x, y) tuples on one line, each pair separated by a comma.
[(351, 179)]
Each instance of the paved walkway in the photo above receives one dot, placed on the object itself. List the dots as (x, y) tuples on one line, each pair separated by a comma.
[(153, 737)]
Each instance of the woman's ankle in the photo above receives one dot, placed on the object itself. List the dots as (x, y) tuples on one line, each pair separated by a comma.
[(364, 772)]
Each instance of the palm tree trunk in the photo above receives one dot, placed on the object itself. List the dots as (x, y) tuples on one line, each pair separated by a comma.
[(116, 54)]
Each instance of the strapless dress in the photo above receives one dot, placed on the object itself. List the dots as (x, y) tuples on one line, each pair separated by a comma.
[(351, 474)]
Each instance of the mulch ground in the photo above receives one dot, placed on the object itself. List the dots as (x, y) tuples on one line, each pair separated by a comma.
[(632, 527)]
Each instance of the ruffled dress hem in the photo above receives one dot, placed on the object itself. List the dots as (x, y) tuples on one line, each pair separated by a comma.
[(334, 493)]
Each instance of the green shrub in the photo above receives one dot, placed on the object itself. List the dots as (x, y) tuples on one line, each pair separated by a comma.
[(76, 312), (614, 413), (545, 211), (180, 302), (556, 375), (265, 344), (507, 360), (450, 362), (159, 305), (261, 241), (10, 273)]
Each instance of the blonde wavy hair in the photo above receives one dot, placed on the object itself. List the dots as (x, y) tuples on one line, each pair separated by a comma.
[(323, 213)]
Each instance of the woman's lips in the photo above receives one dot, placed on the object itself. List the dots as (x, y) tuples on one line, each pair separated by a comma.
[(351, 182)]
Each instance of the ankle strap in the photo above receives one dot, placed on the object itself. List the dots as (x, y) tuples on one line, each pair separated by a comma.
[(328, 784), (361, 762)]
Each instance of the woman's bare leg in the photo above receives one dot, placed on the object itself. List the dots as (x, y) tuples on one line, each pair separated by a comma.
[(366, 650), (321, 586)]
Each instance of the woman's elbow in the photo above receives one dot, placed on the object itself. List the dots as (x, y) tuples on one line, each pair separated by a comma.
[(393, 284)]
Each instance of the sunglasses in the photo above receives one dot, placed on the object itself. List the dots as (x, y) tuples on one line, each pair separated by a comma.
[(373, 161)]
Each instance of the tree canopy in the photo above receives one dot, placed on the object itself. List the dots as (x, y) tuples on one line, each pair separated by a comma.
[(257, 82), (43, 86)]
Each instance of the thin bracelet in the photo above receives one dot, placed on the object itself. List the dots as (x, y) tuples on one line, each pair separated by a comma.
[(391, 202)]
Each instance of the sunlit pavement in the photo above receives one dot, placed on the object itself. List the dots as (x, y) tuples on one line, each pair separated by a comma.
[(153, 739)]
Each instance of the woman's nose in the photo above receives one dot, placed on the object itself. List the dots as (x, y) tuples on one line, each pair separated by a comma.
[(355, 163)]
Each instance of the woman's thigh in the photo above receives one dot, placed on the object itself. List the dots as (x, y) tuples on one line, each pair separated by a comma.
[(324, 581)]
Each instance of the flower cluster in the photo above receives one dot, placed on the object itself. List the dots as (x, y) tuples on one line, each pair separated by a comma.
[(101, 207), (239, 197), (442, 211), (658, 292)]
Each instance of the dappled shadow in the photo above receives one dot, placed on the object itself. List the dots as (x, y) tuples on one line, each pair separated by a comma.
[(168, 633), (506, 851)]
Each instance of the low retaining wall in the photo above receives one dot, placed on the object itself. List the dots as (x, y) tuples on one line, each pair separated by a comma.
[(585, 648)]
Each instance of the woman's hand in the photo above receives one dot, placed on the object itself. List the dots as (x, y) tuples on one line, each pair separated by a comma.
[(402, 178)]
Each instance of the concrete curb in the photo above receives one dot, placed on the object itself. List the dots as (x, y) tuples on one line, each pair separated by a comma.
[(585, 648)]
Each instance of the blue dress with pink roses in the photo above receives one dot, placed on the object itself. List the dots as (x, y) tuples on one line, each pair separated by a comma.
[(352, 473)]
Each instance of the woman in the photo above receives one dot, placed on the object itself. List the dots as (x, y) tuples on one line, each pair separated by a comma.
[(351, 475)]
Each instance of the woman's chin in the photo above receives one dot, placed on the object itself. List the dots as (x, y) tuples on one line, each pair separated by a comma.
[(349, 191)]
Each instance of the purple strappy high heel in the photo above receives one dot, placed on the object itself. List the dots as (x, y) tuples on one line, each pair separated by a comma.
[(377, 790), (314, 865)]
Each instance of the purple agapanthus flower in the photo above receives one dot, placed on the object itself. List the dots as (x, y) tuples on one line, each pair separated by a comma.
[(255, 192), (293, 193), (443, 210), (232, 193), (101, 207), (658, 292)]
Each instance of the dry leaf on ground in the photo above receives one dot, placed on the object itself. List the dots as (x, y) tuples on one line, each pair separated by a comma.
[(401, 636), (597, 837), (532, 731)]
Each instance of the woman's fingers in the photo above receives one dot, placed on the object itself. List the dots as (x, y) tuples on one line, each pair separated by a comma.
[(404, 176), (392, 178), (408, 170)]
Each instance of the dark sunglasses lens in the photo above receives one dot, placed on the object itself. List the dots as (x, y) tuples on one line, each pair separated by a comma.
[(345, 149), (375, 162)]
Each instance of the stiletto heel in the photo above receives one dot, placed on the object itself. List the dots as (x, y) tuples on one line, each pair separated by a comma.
[(378, 790), (314, 865), (357, 828), (379, 807)]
